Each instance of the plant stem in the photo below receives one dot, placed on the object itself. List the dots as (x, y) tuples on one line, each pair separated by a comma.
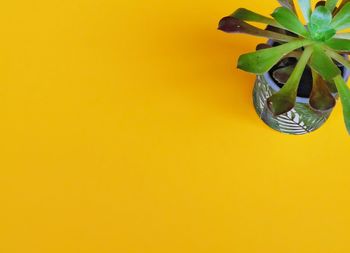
[(344, 94)]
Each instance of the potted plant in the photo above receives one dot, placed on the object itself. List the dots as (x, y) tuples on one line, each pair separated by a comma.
[(303, 68)]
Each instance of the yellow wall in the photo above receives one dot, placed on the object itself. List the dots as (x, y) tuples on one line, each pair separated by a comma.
[(125, 128)]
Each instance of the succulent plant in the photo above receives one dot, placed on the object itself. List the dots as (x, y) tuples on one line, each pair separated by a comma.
[(318, 46)]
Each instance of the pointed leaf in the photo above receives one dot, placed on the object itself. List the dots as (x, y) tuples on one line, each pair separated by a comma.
[(319, 25), (284, 100), (321, 98), (344, 93), (328, 34), (321, 17), (289, 21), (344, 2), (331, 4), (234, 25), (339, 58), (342, 20), (321, 34), (305, 6), (288, 4), (263, 60), (342, 45), (250, 16), (323, 65), (280, 30)]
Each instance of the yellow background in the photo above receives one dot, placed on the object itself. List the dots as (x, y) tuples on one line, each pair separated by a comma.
[(125, 128)]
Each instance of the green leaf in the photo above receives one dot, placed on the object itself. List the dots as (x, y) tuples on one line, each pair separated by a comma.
[(284, 100), (250, 16), (319, 25), (289, 21), (321, 98), (342, 4), (263, 60), (280, 30), (331, 4), (339, 58), (344, 93), (234, 25), (321, 34), (328, 34), (305, 6), (323, 65), (342, 20), (342, 45), (288, 4), (321, 17)]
